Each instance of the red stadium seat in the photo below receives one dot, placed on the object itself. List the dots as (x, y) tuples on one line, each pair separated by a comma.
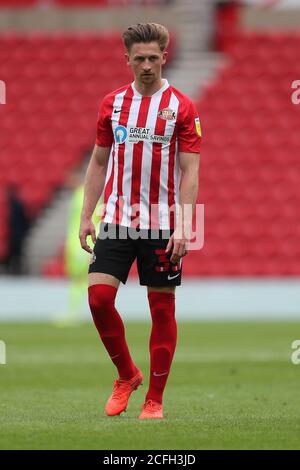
[(56, 83), (250, 170)]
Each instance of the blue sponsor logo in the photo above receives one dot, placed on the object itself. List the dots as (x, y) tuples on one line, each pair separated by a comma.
[(120, 134)]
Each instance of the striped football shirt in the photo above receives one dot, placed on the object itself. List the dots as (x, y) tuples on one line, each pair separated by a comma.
[(146, 134)]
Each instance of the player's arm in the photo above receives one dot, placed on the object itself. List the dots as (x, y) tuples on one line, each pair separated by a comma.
[(93, 187), (188, 191)]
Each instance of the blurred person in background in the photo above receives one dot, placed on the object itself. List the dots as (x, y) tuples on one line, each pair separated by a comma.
[(75, 259), (18, 226)]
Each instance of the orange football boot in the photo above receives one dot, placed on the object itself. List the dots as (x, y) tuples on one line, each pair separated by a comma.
[(151, 409), (122, 390)]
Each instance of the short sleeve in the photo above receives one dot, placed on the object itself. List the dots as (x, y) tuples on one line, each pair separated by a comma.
[(189, 131), (104, 136)]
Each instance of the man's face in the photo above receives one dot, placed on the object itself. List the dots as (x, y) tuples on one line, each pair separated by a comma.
[(146, 60)]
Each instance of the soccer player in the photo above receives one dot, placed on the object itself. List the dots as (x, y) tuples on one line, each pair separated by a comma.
[(146, 158)]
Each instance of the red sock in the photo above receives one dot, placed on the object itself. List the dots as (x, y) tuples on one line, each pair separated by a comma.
[(162, 341), (111, 328)]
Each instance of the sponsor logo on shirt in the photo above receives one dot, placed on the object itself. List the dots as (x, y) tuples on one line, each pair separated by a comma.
[(137, 134), (167, 113), (198, 126)]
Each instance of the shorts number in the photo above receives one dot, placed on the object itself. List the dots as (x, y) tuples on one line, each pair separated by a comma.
[(164, 263)]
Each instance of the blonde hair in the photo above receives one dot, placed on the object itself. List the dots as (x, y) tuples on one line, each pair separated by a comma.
[(146, 32)]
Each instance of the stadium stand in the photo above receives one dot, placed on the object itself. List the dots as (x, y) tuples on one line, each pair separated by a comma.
[(79, 3), (48, 124), (249, 167), (55, 84), (250, 170)]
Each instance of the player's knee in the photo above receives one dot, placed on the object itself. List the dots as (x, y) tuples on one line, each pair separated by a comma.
[(162, 307), (101, 296), (164, 355)]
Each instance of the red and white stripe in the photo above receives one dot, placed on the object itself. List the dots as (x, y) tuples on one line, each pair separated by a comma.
[(116, 157), (144, 173)]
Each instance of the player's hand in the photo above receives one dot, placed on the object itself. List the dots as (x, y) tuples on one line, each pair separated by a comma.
[(178, 245), (87, 228)]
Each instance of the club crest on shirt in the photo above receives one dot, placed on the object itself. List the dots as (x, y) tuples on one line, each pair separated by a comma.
[(167, 113)]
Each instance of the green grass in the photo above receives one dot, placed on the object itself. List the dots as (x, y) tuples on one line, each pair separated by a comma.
[(232, 386)]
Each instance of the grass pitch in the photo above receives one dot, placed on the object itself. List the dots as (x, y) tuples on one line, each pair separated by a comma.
[(232, 386)]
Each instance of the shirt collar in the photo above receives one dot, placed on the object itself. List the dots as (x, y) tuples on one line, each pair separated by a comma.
[(161, 90)]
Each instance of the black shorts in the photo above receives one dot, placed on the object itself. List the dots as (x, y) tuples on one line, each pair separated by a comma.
[(117, 247)]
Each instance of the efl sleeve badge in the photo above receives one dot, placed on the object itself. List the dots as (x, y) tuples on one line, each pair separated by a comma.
[(198, 126)]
